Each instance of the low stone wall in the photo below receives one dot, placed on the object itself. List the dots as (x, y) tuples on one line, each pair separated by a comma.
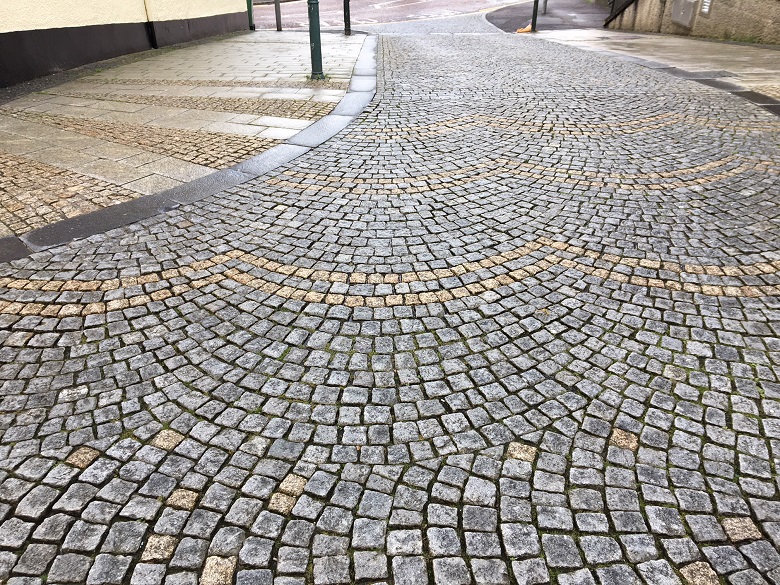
[(737, 20)]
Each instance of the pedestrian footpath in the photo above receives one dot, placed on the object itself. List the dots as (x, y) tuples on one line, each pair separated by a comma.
[(750, 67), (164, 119)]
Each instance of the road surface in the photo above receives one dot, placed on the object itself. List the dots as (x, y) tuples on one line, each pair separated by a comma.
[(294, 14)]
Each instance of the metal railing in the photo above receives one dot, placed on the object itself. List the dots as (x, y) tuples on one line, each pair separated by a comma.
[(616, 9), (315, 39)]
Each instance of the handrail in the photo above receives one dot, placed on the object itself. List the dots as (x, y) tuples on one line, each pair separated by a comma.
[(618, 7)]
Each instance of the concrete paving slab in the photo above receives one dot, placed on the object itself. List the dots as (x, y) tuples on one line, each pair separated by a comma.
[(176, 169), (278, 133), (63, 157), (278, 122), (152, 183), (106, 169)]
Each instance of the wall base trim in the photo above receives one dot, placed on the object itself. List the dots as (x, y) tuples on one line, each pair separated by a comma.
[(173, 32)]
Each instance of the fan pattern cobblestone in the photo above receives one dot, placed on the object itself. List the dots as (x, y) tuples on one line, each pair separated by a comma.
[(521, 327)]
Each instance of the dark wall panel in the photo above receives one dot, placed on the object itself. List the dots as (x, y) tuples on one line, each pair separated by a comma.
[(205, 27), (171, 32)]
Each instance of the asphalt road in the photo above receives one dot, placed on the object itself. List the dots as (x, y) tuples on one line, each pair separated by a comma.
[(294, 14), (560, 15)]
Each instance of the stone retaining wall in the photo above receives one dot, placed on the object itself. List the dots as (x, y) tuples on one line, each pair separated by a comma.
[(738, 20)]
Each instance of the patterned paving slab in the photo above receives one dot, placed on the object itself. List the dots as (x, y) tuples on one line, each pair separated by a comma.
[(509, 328), (166, 119)]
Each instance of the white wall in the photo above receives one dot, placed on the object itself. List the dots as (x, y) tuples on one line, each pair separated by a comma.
[(20, 15), (33, 14), (180, 9)]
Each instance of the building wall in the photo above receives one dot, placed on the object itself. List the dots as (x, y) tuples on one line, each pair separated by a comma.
[(19, 15), (738, 20), (39, 38), (160, 10)]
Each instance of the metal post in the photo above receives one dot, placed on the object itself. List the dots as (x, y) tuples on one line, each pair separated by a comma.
[(251, 12), (278, 11), (315, 40), (347, 19), (150, 28), (544, 7), (533, 17)]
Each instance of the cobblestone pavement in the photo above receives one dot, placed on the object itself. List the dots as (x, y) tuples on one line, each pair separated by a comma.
[(169, 117), (520, 327)]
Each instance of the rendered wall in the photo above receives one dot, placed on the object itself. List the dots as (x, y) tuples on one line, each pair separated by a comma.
[(738, 20), (19, 15), (184, 9), (39, 38)]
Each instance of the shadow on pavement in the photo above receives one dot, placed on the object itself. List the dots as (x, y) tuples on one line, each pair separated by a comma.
[(561, 15)]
